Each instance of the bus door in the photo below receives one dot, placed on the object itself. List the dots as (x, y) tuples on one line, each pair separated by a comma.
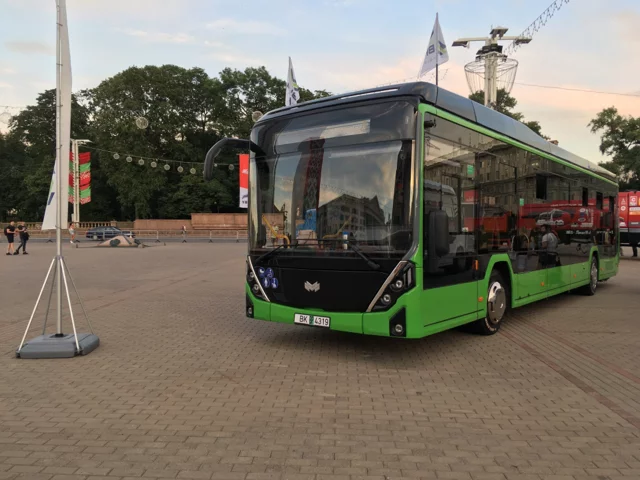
[(450, 287)]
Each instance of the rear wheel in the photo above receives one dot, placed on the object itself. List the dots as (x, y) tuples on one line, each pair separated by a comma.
[(497, 305)]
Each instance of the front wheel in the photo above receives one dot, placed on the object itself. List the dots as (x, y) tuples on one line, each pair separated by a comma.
[(590, 288), (497, 305)]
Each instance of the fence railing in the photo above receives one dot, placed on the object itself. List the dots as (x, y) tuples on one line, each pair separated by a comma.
[(149, 235)]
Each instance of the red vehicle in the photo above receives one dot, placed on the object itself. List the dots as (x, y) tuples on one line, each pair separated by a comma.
[(560, 215), (629, 205)]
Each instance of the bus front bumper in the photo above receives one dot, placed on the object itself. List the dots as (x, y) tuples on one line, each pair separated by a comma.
[(382, 323)]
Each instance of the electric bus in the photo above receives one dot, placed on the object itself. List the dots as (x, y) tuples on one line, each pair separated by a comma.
[(408, 210)]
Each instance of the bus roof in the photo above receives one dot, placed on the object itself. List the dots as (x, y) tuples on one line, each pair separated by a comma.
[(455, 104)]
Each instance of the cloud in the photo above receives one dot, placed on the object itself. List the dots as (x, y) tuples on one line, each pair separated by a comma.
[(167, 37), (245, 27), (160, 37), (119, 9), (626, 24), (341, 3), (30, 47), (344, 73), (5, 85), (7, 71), (234, 58), (209, 43)]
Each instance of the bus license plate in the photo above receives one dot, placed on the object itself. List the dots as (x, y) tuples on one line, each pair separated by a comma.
[(313, 320)]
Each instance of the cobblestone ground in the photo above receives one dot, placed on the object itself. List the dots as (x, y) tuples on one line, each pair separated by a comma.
[(184, 386)]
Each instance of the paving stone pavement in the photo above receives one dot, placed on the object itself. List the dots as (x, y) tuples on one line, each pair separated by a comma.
[(184, 386)]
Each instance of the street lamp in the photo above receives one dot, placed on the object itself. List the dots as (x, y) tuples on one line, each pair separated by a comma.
[(490, 53)]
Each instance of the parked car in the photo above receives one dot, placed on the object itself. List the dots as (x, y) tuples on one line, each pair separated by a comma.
[(104, 233)]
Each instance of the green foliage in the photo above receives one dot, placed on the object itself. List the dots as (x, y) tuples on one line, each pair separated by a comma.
[(27, 155), (505, 104), (619, 139), (187, 111)]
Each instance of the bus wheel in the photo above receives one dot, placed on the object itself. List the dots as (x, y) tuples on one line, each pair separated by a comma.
[(590, 288), (497, 305)]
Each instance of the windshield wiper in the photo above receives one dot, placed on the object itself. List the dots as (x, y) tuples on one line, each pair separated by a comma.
[(361, 254), (272, 252), (355, 248)]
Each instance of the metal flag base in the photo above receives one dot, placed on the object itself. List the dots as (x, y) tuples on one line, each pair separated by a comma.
[(52, 346), (58, 345)]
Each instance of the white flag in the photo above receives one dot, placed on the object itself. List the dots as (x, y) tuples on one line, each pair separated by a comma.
[(293, 95), (63, 136), (436, 51), (49, 222)]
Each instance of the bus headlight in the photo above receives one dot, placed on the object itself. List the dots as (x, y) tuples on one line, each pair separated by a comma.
[(252, 281), (401, 283)]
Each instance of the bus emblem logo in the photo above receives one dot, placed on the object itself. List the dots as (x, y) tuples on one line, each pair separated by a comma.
[(311, 287)]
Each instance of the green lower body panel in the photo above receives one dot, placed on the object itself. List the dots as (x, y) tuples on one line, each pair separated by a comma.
[(451, 306), (434, 310), (374, 323), (532, 284), (609, 267)]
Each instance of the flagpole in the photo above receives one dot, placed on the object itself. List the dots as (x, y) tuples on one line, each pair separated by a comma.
[(437, 46), (59, 345), (58, 174)]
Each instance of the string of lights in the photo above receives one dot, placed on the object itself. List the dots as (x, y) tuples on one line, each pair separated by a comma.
[(537, 24), (5, 116), (154, 162), (637, 94)]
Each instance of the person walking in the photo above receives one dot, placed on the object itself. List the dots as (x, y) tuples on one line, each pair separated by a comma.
[(24, 237), (9, 232), (72, 232)]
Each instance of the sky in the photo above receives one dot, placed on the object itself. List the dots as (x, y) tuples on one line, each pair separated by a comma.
[(340, 46)]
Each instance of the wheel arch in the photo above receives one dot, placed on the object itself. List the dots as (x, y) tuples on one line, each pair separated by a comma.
[(502, 264)]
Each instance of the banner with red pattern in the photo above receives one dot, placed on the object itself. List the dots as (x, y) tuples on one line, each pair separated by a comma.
[(84, 168)]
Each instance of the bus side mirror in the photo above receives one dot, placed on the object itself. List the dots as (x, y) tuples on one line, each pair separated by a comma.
[(438, 233), (209, 159)]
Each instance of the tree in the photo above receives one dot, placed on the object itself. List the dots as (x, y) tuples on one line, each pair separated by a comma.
[(30, 150), (619, 139), (254, 89), (187, 112), (505, 104), (179, 105), (193, 194), (10, 176)]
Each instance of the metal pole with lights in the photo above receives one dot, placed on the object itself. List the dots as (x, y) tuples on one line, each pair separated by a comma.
[(491, 53)]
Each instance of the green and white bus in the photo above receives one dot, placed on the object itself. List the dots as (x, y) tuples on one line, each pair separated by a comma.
[(408, 210)]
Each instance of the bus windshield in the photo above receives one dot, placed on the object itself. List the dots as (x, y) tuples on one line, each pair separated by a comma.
[(328, 175)]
